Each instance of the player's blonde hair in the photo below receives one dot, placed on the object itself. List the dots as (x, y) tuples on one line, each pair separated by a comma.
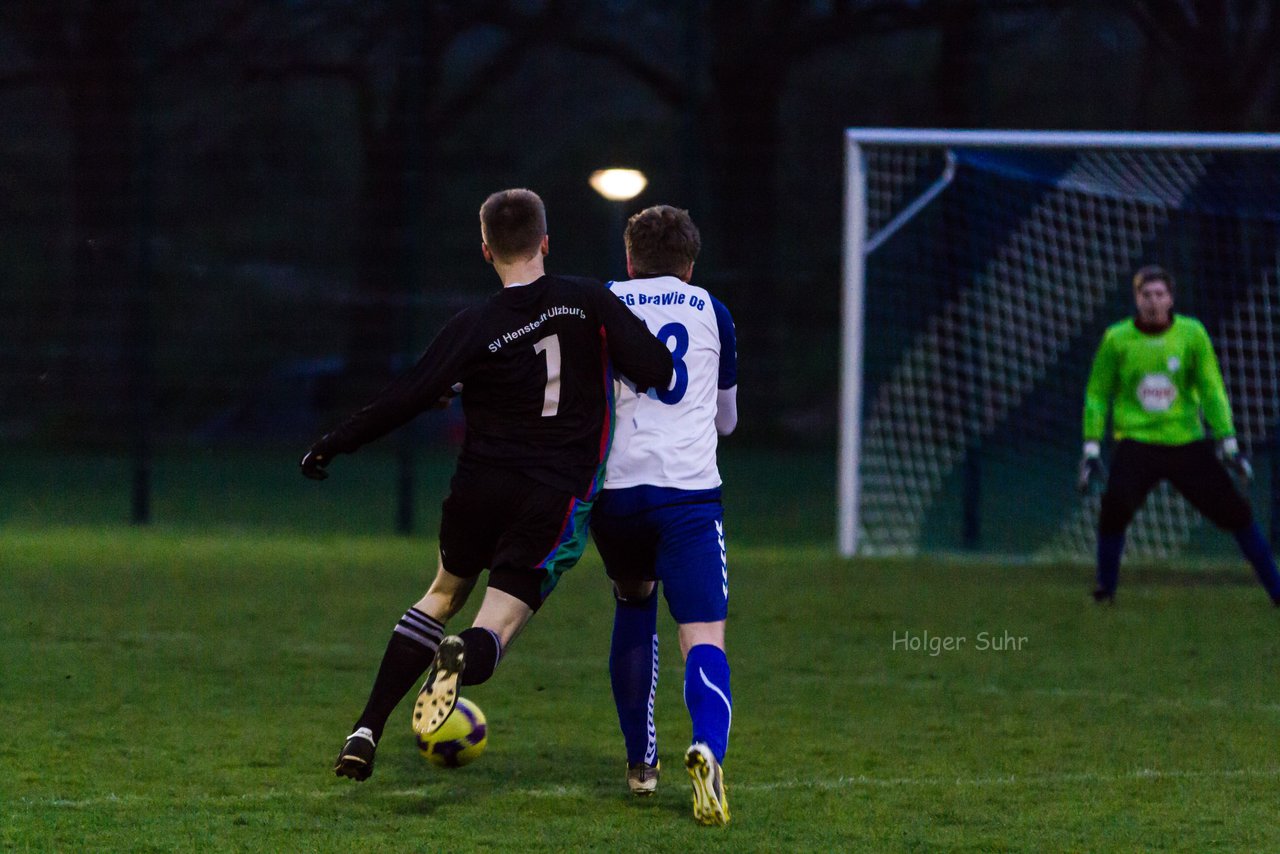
[(513, 223), (662, 241), (1152, 273)]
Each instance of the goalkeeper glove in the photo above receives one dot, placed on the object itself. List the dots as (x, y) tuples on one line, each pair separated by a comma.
[(1090, 467), (1237, 463), (312, 465)]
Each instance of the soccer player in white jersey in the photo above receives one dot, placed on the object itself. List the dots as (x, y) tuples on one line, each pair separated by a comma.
[(659, 517)]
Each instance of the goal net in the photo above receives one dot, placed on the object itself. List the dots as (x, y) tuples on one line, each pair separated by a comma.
[(981, 269)]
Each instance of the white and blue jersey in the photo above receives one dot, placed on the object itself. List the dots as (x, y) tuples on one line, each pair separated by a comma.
[(659, 515), (668, 438)]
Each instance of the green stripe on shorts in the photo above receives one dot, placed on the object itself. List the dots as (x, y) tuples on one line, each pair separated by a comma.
[(573, 542)]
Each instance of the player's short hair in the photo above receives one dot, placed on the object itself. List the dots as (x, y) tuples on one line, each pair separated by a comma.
[(1152, 273), (662, 241), (513, 223)]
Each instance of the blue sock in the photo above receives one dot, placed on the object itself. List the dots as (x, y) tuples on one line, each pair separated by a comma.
[(706, 693), (1258, 552), (1110, 547), (633, 670)]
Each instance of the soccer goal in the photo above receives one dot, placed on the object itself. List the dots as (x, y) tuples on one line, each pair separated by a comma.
[(980, 270)]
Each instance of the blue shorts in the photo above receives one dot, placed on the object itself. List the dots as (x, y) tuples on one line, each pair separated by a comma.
[(674, 536)]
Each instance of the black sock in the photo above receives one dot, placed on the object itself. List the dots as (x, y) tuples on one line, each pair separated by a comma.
[(412, 646), (483, 652)]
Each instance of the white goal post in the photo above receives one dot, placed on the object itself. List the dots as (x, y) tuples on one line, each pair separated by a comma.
[(869, 225)]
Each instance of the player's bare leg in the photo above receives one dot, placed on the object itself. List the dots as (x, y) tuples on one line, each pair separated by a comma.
[(693, 634), (446, 595), (502, 614)]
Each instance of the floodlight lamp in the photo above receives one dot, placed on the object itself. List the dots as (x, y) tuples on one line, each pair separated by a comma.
[(618, 185)]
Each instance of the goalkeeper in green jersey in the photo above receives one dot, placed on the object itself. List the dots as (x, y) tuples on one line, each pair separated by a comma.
[(1158, 375)]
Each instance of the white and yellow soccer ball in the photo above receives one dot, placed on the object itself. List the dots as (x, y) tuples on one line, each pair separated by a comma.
[(460, 740)]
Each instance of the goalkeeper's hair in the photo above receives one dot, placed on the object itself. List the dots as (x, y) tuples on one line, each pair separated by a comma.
[(513, 223), (1152, 273), (662, 241)]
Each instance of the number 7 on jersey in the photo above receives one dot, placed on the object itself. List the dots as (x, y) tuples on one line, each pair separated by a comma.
[(550, 347)]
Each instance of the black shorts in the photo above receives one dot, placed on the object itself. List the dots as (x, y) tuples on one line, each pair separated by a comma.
[(524, 532), (1193, 469)]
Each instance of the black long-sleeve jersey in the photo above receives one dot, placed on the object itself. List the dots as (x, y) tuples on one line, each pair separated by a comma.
[(535, 364)]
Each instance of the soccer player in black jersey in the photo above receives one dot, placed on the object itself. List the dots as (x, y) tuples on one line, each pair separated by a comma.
[(533, 365)]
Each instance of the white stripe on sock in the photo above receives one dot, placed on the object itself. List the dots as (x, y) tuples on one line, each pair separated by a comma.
[(651, 736), (431, 643), (714, 687), (497, 642), (422, 622)]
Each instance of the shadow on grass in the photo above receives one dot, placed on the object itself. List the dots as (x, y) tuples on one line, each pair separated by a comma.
[(591, 776)]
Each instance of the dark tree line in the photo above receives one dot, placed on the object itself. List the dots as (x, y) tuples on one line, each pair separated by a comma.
[(417, 72)]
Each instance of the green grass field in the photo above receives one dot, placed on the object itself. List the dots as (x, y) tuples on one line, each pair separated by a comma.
[(186, 687)]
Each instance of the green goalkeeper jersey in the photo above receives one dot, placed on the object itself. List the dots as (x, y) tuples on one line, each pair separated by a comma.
[(1156, 385)]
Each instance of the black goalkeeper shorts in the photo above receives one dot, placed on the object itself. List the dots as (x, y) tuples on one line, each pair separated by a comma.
[(524, 532), (1193, 469)]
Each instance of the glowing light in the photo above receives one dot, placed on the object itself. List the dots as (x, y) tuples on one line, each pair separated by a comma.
[(618, 185)]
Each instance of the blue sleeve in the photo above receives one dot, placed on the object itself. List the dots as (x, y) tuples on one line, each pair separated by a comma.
[(728, 346)]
